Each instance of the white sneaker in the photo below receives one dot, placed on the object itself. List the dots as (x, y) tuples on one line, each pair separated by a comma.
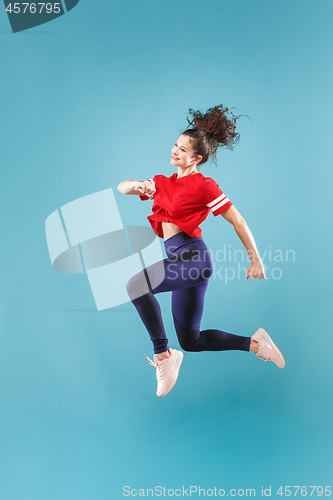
[(166, 371), (267, 350)]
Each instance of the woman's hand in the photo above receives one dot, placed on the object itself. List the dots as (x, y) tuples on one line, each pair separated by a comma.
[(256, 270), (146, 187)]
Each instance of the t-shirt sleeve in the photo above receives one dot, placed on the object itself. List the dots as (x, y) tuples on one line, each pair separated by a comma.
[(144, 197), (215, 199)]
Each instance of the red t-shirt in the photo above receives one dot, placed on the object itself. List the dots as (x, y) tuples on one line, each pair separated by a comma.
[(185, 202)]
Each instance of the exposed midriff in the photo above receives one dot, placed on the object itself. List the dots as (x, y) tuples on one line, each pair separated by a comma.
[(170, 229)]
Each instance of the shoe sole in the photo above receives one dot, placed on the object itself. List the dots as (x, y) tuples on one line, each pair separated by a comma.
[(178, 365), (271, 343)]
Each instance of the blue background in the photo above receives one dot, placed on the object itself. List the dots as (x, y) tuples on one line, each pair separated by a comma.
[(98, 96)]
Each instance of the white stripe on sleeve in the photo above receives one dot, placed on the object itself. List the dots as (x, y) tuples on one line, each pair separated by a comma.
[(216, 200), (223, 202), (153, 182)]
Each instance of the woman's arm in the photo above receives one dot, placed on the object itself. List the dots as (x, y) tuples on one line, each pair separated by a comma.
[(256, 269), (129, 187), (136, 187)]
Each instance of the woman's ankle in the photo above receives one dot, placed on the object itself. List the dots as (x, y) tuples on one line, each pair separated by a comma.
[(162, 355), (253, 345)]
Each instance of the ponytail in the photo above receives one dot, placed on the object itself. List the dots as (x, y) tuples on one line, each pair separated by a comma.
[(212, 130)]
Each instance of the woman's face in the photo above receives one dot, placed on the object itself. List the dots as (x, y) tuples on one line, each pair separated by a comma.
[(183, 154)]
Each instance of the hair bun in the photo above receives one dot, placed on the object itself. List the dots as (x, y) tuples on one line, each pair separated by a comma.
[(216, 127)]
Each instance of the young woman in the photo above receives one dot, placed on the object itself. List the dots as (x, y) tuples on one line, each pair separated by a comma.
[(181, 203)]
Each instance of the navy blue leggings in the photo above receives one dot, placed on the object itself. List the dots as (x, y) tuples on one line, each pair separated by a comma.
[(185, 273)]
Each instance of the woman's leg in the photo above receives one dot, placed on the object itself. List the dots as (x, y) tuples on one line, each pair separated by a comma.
[(187, 310), (142, 296)]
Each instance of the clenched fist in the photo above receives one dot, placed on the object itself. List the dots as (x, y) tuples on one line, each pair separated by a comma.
[(147, 188)]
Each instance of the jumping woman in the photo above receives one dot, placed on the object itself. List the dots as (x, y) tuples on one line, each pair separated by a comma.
[(181, 203)]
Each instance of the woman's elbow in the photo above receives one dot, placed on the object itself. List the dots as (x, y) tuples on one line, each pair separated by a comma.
[(239, 222)]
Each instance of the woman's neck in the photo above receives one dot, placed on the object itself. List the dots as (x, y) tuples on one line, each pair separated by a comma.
[(185, 172)]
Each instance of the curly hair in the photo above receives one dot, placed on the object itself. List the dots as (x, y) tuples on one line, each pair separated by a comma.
[(212, 130)]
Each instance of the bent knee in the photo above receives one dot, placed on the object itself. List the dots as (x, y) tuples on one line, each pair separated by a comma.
[(137, 286), (189, 347), (189, 343)]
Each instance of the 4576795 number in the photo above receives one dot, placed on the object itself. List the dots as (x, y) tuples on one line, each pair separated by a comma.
[(33, 8), (317, 491)]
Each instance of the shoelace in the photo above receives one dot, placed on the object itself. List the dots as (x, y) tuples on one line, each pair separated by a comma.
[(158, 365), (261, 355)]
